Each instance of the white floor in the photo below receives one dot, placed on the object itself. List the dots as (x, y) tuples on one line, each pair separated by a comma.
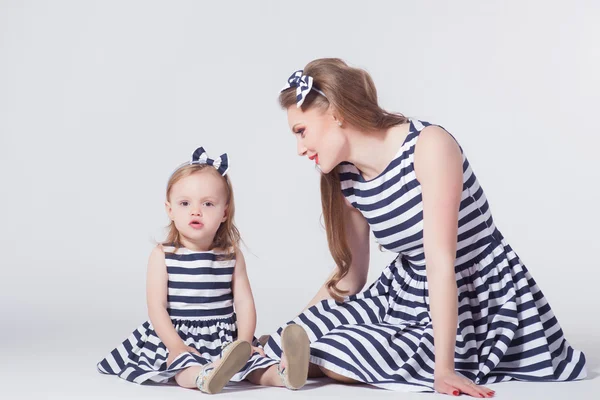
[(50, 369)]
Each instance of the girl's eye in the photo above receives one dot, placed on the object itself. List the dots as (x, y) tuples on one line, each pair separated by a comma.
[(184, 203), (301, 132), (208, 204)]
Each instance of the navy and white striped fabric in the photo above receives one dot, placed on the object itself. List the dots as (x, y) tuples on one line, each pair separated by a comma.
[(384, 336), (303, 84), (220, 163), (200, 304)]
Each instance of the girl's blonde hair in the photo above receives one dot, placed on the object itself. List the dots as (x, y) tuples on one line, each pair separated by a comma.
[(352, 94), (228, 236)]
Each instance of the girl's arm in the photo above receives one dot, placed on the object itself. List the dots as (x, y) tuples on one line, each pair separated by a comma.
[(438, 166), (156, 298), (243, 300), (357, 236)]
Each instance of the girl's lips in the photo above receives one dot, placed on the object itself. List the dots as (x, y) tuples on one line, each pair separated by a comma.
[(196, 225)]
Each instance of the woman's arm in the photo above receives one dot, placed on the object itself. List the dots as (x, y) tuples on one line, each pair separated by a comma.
[(438, 166), (156, 298), (357, 236)]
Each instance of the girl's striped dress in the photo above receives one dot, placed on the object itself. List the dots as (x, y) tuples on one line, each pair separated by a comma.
[(384, 335), (200, 304)]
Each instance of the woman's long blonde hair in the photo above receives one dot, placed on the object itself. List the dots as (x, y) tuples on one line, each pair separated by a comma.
[(352, 94), (228, 236)]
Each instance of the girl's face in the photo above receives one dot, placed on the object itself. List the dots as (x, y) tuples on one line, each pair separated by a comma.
[(319, 136), (198, 205)]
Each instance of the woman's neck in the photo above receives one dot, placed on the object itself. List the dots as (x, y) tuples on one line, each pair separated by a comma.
[(372, 152)]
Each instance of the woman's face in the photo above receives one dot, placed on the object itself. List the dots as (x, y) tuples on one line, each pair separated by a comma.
[(319, 136)]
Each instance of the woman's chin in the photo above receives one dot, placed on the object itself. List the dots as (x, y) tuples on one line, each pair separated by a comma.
[(327, 167), (323, 170)]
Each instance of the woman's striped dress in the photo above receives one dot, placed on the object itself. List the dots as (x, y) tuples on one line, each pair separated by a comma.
[(384, 335), (200, 304)]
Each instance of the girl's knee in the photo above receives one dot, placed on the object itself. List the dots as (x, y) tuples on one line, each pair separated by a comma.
[(337, 377), (314, 371), (178, 379), (255, 376), (183, 380), (187, 377)]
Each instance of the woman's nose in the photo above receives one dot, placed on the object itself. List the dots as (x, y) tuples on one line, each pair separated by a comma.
[(300, 147)]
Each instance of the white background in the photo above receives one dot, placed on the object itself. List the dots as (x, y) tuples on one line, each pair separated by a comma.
[(99, 101)]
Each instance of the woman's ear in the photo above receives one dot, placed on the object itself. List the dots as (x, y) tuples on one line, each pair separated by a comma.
[(337, 118)]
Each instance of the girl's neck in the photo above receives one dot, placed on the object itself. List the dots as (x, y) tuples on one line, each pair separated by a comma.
[(195, 246), (372, 152)]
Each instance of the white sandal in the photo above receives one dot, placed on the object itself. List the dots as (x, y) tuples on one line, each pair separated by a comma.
[(234, 356), (296, 347)]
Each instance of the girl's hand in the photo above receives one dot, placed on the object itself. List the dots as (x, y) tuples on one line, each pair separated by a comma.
[(174, 353), (258, 350), (454, 384)]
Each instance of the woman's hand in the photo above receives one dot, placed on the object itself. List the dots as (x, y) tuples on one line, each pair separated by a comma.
[(454, 384), (174, 353)]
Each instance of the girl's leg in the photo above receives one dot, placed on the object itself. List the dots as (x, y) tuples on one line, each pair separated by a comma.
[(266, 377), (314, 371), (295, 336), (216, 374), (337, 377), (187, 377), (270, 377)]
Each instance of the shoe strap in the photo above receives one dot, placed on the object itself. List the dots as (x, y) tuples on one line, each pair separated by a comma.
[(202, 375)]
